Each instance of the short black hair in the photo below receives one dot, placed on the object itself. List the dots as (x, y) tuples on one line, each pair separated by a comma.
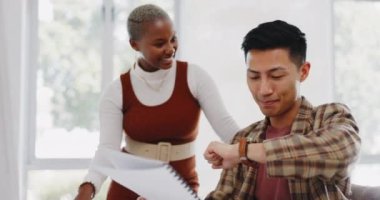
[(142, 14), (277, 34)]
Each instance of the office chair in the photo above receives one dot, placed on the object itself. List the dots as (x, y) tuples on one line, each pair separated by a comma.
[(360, 192)]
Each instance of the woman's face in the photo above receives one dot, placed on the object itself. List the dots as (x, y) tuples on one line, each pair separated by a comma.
[(157, 45)]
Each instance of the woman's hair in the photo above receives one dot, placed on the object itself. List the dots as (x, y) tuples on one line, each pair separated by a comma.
[(277, 34), (142, 14)]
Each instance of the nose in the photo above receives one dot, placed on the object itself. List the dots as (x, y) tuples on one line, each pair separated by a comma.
[(170, 49), (265, 88)]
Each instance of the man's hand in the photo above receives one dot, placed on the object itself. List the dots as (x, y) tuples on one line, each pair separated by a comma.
[(221, 155)]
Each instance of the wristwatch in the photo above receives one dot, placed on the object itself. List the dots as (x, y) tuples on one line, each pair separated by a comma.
[(243, 147)]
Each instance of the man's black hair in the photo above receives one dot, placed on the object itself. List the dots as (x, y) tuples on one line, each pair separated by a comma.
[(277, 34)]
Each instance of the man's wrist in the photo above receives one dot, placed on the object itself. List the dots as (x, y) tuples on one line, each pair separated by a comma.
[(243, 152), (243, 149)]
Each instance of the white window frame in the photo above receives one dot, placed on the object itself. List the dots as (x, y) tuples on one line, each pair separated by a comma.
[(32, 162)]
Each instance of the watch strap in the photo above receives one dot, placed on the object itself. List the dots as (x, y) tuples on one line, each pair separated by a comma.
[(243, 148)]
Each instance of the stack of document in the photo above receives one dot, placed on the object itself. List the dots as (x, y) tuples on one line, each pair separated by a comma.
[(151, 179)]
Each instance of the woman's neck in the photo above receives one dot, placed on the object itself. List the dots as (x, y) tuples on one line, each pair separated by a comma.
[(146, 66)]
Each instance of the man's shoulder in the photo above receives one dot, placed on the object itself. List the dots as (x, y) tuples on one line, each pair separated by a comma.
[(332, 107), (325, 112)]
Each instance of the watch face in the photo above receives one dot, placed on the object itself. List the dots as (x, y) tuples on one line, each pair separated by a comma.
[(249, 140), (243, 158)]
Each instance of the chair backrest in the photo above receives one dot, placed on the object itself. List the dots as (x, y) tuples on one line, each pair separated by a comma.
[(360, 192)]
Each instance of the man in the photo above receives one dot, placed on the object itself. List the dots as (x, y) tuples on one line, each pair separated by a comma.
[(298, 151)]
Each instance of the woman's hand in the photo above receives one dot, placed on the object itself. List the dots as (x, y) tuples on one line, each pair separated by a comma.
[(85, 192), (141, 198)]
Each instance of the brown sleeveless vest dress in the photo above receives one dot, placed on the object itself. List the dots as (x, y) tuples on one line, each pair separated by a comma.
[(174, 121)]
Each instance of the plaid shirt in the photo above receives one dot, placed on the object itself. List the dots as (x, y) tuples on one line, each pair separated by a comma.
[(316, 157)]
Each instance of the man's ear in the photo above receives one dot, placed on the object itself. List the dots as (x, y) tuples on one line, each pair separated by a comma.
[(304, 71), (134, 44)]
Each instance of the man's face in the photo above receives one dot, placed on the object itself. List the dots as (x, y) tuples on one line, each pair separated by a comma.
[(274, 81)]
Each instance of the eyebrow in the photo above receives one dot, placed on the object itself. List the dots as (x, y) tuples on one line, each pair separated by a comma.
[(275, 69), (159, 40), (164, 40)]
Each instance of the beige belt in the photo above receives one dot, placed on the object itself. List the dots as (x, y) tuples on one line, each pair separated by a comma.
[(163, 151)]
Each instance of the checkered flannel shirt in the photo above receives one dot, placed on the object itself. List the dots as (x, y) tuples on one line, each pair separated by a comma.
[(316, 157)]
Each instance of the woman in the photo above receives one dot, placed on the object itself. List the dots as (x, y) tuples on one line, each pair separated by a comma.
[(158, 100)]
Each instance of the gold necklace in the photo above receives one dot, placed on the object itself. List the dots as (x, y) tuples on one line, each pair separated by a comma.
[(157, 88)]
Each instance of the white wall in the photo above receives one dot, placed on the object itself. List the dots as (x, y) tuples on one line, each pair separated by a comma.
[(11, 15), (210, 34)]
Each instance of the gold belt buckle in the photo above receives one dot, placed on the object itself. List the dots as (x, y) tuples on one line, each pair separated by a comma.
[(164, 151)]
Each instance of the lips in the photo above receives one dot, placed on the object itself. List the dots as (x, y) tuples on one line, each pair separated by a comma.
[(168, 60), (268, 103)]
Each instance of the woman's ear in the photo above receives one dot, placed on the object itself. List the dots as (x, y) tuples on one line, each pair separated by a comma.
[(134, 44), (304, 71)]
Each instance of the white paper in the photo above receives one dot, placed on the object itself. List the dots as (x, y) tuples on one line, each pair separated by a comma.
[(151, 179)]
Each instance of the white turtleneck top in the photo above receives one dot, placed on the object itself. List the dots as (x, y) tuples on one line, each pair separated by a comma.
[(154, 88)]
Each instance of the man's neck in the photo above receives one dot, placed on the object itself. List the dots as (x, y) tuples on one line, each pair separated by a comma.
[(286, 119)]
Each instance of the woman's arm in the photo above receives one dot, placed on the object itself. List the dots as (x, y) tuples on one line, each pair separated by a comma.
[(111, 129), (204, 89)]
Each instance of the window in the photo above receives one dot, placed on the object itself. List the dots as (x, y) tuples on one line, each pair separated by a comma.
[(68, 78), (82, 46), (357, 71)]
